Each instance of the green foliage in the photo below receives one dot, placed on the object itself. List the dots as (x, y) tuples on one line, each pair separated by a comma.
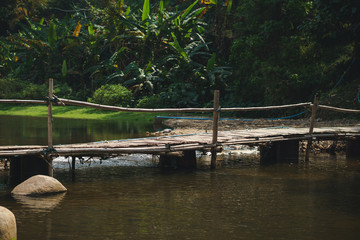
[(13, 88), (63, 90), (7, 12), (146, 10), (52, 36), (153, 101), (115, 95), (270, 56), (255, 52)]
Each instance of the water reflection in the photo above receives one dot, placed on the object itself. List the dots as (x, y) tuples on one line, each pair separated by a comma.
[(20, 130), (317, 200), (40, 204), (129, 198)]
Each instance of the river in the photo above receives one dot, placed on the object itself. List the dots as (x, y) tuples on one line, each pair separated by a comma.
[(131, 198)]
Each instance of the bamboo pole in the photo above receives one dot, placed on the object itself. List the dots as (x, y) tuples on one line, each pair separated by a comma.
[(22, 101), (246, 109), (123, 109), (216, 116), (50, 121), (50, 117), (336, 109), (312, 125), (160, 110)]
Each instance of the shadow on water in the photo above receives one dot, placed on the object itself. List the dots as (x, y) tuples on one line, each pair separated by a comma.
[(40, 204)]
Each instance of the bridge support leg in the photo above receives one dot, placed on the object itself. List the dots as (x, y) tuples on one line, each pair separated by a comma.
[(353, 148), (188, 160), (280, 152), (24, 167), (185, 159), (157, 125), (73, 167)]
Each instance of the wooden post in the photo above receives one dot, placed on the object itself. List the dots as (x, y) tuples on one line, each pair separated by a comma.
[(51, 85), (50, 120), (216, 116), (312, 125), (73, 168)]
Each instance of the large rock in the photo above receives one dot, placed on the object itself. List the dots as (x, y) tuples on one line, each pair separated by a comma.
[(7, 224), (39, 185)]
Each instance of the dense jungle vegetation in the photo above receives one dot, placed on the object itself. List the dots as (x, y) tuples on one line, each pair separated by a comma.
[(174, 53)]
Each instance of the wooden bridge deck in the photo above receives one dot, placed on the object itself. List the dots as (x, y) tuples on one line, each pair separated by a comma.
[(203, 141)]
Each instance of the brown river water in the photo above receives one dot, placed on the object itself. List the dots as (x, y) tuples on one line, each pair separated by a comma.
[(131, 198)]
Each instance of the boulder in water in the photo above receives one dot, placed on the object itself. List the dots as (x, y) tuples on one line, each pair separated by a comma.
[(39, 185), (7, 224)]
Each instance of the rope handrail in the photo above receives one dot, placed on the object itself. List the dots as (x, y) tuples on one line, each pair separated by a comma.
[(124, 109), (154, 110), (336, 109), (243, 109), (23, 101), (173, 110)]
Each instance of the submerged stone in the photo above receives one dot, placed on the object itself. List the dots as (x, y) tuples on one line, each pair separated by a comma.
[(39, 185), (7, 224)]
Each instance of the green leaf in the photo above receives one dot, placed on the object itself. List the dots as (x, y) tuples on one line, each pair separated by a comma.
[(176, 21), (193, 14), (64, 69), (91, 30), (146, 10), (211, 63), (115, 56), (161, 6), (186, 12), (229, 6), (177, 46), (52, 36), (127, 11), (148, 67)]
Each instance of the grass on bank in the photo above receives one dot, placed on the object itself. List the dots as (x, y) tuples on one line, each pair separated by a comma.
[(72, 112)]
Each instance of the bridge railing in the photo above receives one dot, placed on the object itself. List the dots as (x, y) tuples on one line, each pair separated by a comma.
[(216, 109)]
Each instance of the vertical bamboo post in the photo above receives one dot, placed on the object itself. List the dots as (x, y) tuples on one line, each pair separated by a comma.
[(73, 168), (50, 120), (216, 116), (312, 125)]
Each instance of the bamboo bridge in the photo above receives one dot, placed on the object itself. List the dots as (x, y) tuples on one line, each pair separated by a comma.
[(276, 144)]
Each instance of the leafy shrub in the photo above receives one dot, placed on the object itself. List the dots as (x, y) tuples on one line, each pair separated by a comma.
[(16, 89), (34, 91), (154, 101), (115, 95), (63, 90)]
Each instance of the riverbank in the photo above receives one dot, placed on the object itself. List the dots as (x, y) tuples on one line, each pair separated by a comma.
[(187, 126), (72, 112)]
